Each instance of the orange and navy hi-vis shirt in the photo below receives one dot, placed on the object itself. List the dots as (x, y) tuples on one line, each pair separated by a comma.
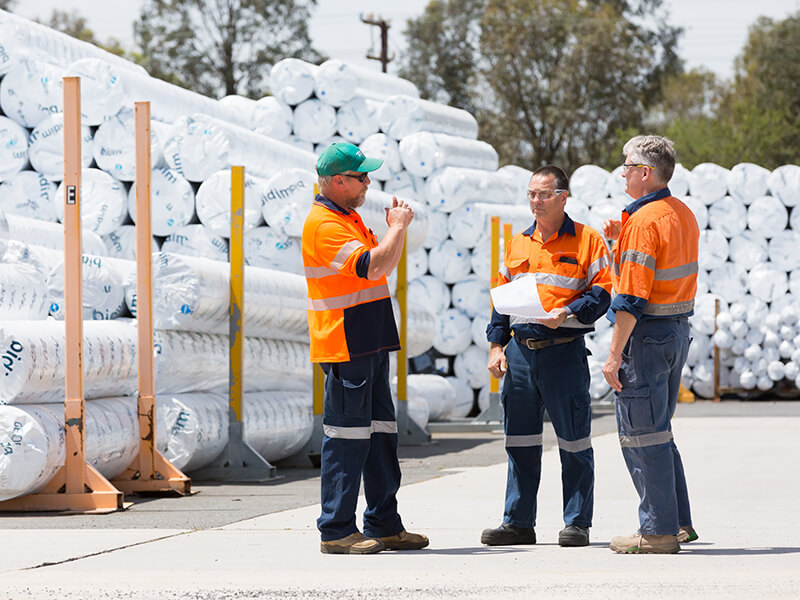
[(655, 258), (572, 272), (349, 316)]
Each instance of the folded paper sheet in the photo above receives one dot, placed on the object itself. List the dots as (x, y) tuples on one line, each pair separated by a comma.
[(519, 297)]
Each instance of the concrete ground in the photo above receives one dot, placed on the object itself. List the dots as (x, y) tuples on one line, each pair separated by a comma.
[(259, 541)]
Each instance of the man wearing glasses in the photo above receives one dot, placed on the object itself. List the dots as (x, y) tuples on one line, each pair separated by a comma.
[(352, 331), (655, 280), (544, 361)]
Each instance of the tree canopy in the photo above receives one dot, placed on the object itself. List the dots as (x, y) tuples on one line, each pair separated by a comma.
[(222, 47)]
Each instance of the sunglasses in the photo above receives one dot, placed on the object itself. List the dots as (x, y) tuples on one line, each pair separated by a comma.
[(361, 177)]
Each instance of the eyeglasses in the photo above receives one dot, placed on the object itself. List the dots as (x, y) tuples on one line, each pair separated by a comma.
[(361, 177), (626, 166), (543, 194)]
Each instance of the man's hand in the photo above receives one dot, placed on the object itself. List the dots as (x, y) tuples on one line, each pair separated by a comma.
[(611, 371), (497, 361), (400, 215), (612, 229), (554, 319)]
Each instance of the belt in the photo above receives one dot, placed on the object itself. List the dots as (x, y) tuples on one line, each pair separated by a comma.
[(533, 344)]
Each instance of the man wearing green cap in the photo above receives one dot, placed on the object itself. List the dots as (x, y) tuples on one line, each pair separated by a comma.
[(352, 330)]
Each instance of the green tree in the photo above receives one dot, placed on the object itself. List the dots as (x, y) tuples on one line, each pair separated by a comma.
[(222, 47)]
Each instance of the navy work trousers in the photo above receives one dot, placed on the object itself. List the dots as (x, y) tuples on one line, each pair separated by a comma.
[(555, 378), (360, 438)]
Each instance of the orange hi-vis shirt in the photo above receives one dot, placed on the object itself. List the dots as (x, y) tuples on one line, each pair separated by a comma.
[(655, 258), (349, 316)]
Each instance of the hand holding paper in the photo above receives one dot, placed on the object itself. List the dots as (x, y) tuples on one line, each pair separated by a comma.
[(519, 297)]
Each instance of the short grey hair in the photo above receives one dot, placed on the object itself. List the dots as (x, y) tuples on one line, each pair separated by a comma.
[(324, 180), (653, 150)]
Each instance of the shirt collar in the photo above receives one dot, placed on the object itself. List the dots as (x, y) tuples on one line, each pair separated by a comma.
[(330, 205), (568, 226), (647, 198)]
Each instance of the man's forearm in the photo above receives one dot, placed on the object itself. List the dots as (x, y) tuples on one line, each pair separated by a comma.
[(386, 255), (623, 328)]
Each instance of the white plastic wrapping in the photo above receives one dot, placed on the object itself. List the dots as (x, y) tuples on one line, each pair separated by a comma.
[(436, 391), (420, 326), (423, 153), (45, 234), (379, 145), (273, 118), (784, 182), (121, 243), (747, 249), (103, 92), (450, 262), (172, 201), (766, 216), (471, 366), (709, 182), (429, 291), (727, 215), (404, 115), (358, 118), (13, 147), (314, 120), (23, 292), (747, 181), (213, 202), (336, 82), (783, 249), (453, 334), (28, 194), (472, 296), (470, 225), (114, 146), (104, 202), (452, 187), (104, 281), (46, 147), (31, 91), (374, 217), (291, 80), (588, 184), (287, 200), (465, 398), (267, 248), (196, 240)]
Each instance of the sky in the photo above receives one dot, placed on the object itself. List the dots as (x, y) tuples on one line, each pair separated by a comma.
[(715, 30)]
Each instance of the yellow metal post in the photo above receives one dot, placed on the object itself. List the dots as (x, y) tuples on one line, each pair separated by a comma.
[(77, 486), (149, 472), (494, 383)]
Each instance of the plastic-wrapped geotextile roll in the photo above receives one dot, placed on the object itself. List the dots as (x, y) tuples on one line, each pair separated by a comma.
[(314, 120), (45, 234), (114, 145), (405, 185), (465, 398), (23, 292), (478, 331), (588, 183), (417, 403), (196, 240), (319, 147), (104, 202), (699, 208), (193, 294), (520, 179), (46, 147), (104, 283), (729, 281), (379, 145), (31, 91), (28, 194), (267, 248), (579, 211), (768, 282), (33, 440), (278, 423), (437, 392), (784, 249), (404, 115), (472, 296), (449, 262), (784, 182), (437, 229), (481, 258), (121, 243), (13, 148), (747, 181), (713, 249), (703, 319), (470, 365), (171, 201), (471, 224), (287, 200), (601, 211), (32, 354), (336, 82), (746, 249), (192, 428), (452, 187), (417, 264), (213, 202), (429, 291), (420, 326), (103, 91), (188, 361), (199, 145), (423, 153), (374, 217), (728, 215), (709, 182), (358, 118), (245, 107), (272, 118), (767, 216), (453, 332), (291, 80), (21, 38)]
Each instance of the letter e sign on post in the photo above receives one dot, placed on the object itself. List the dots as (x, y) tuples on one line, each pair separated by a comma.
[(71, 194)]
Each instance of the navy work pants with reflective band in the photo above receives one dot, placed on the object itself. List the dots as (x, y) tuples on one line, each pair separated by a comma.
[(555, 378), (651, 377), (360, 437)]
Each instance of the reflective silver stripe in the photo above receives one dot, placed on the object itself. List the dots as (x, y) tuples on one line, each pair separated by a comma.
[(575, 324), (616, 269), (644, 440), (597, 266), (562, 281), (638, 257), (519, 320), (381, 291), (317, 272), (344, 253), (569, 323), (505, 272), (677, 308), (384, 426), (347, 433), (576, 446), (524, 441), (359, 433), (521, 275), (676, 272)]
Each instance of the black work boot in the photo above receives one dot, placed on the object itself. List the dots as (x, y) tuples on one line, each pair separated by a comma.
[(507, 535), (573, 535)]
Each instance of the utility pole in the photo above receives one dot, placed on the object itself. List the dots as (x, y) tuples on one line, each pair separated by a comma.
[(384, 26)]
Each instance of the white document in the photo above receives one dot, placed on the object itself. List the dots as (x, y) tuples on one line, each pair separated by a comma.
[(519, 297)]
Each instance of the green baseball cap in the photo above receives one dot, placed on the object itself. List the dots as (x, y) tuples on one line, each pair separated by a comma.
[(344, 156)]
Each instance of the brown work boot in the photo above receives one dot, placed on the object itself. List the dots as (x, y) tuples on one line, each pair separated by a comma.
[(355, 543), (645, 544), (405, 541), (687, 534)]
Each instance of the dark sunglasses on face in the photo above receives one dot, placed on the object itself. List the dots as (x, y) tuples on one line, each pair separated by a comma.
[(362, 177)]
